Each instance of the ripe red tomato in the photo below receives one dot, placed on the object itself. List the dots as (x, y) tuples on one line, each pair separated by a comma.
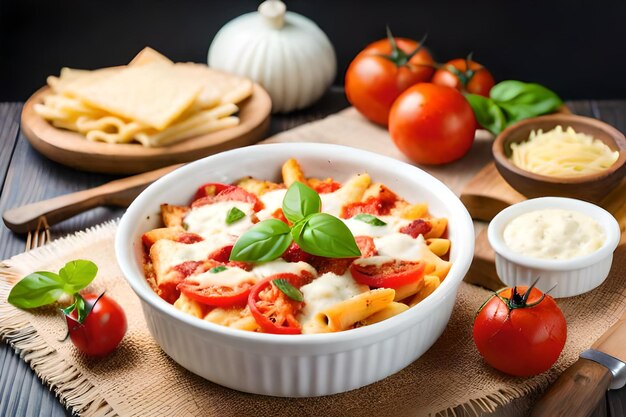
[(103, 328), (392, 274), (215, 192), (272, 309), (465, 75), (215, 295), (382, 71), (432, 124), (520, 332)]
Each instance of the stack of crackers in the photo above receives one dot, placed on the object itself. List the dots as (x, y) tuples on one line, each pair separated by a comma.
[(152, 101)]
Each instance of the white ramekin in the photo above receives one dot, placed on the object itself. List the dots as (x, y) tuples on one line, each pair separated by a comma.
[(572, 276), (295, 365)]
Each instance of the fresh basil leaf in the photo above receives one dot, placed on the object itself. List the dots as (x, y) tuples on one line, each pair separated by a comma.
[(487, 113), (300, 201), (265, 241), (369, 219), (77, 274), (325, 235), (218, 269), (288, 289), (233, 215), (82, 309), (36, 290), (520, 100)]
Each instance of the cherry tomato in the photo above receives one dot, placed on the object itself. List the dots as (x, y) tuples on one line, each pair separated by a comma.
[(465, 75), (432, 124), (103, 328), (272, 309), (228, 193), (206, 292), (382, 71), (393, 274), (520, 332)]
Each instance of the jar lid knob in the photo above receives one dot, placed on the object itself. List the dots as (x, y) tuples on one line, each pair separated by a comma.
[(274, 12)]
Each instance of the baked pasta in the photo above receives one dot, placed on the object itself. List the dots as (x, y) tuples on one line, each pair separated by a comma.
[(260, 256)]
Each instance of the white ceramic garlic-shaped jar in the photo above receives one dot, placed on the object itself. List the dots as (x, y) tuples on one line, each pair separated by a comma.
[(284, 52)]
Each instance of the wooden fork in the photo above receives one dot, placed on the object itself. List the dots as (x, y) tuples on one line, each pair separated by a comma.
[(40, 236)]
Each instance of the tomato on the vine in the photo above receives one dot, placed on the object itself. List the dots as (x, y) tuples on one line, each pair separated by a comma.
[(382, 71), (520, 331), (432, 124), (101, 330), (465, 75)]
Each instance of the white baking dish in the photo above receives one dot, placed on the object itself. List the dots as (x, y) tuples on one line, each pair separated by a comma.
[(568, 277), (295, 365)]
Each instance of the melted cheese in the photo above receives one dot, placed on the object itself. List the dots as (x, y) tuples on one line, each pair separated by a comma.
[(210, 219), (332, 202), (278, 266), (327, 290), (361, 228), (273, 200), (230, 277), (170, 253), (402, 246)]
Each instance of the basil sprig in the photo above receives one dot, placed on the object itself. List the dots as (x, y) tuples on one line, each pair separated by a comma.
[(369, 219), (233, 215), (43, 287), (316, 233), (511, 101), (288, 289)]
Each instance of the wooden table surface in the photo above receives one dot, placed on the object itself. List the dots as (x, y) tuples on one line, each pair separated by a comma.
[(29, 177)]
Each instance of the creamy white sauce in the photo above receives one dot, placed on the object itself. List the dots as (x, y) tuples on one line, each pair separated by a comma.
[(230, 277), (273, 200), (361, 228), (553, 234), (263, 270), (173, 253), (401, 246), (325, 291), (210, 219)]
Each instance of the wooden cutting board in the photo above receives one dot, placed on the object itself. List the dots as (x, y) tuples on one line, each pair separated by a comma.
[(72, 149), (487, 193)]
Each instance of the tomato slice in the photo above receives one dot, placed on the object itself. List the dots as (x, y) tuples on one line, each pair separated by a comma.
[(272, 309), (366, 246), (227, 193), (215, 295), (210, 189), (377, 206), (392, 274)]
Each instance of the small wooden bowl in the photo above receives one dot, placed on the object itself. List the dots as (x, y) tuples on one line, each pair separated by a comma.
[(589, 187)]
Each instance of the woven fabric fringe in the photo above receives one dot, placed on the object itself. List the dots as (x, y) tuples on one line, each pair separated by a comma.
[(73, 389)]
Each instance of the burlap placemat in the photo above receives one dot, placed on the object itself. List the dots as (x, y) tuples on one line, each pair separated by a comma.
[(138, 379)]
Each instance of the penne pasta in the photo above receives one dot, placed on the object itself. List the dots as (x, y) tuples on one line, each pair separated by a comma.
[(438, 246), (391, 310), (431, 282), (439, 226), (292, 172)]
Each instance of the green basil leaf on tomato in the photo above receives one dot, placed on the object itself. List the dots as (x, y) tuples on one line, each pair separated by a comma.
[(487, 112), (233, 215), (288, 289), (272, 309), (264, 242), (325, 235), (78, 274), (369, 219), (300, 201), (37, 289), (218, 269)]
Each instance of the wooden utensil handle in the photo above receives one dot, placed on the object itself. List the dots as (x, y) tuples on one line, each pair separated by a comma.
[(577, 392), (119, 193)]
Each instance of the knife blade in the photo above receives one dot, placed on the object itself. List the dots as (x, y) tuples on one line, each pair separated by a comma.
[(116, 193), (582, 386)]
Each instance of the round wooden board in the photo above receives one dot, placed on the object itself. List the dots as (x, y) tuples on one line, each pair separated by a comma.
[(72, 149)]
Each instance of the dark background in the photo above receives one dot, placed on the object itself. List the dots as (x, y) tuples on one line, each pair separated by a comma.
[(576, 48)]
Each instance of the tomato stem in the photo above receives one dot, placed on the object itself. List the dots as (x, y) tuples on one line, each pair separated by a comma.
[(521, 301), (397, 55)]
